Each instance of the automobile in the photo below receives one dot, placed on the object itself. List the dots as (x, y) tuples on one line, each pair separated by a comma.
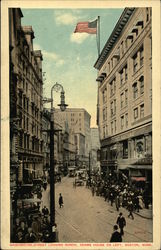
[(38, 182), (81, 174), (71, 172), (78, 182)]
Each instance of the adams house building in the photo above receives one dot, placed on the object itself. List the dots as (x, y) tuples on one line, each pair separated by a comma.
[(124, 114)]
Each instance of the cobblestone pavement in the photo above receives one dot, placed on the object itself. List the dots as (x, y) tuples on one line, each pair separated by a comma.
[(85, 218)]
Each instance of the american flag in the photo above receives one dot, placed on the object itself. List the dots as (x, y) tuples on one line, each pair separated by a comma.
[(86, 27)]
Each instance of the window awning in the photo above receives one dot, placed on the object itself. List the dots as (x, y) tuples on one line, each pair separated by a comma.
[(149, 167), (141, 178)]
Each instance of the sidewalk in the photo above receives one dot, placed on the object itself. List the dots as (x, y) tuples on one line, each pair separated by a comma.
[(145, 213)]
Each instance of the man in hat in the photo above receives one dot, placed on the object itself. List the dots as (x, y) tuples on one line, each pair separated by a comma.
[(121, 222), (60, 200), (116, 236)]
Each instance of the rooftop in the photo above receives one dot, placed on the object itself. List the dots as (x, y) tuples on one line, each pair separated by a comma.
[(114, 37)]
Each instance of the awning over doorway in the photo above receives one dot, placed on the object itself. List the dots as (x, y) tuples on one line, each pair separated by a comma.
[(135, 178)]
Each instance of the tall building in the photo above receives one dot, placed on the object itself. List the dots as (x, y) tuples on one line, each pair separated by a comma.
[(26, 144), (95, 147), (125, 97), (78, 122)]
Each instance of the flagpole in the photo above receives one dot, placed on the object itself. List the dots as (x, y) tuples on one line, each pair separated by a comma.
[(98, 35)]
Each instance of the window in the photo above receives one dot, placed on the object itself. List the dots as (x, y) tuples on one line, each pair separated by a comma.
[(108, 66), (141, 56), (27, 123), (126, 96), (115, 106), (135, 63), (104, 114), (114, 83), (28, 142), (122, 122), (135, 90), (21, 139), (135, 113), (104, 95), (122, 47), (27, 104), (112, 108), (126, 75), (126, 43), (142, 111), (113, 87), (141, 84), (126, 120), (24, 124), (115, 125), (20, 98), (112, 128), (104, 132), (147, 14), (121, 77), (122, 100)]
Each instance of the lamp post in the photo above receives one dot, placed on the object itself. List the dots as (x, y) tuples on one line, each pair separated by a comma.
[(56, 87)]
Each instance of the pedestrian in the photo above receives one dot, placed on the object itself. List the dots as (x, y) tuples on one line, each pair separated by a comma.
[(111, 198), (30, 236), (121, 222), (55, 233), (93, 190), (130, 208), (117, 202), (116, 236), (45, 211), (61, 200)]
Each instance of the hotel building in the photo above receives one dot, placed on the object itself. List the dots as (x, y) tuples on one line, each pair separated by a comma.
[(124, 114)]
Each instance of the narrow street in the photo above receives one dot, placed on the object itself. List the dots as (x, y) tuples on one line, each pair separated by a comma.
[(85, 218)]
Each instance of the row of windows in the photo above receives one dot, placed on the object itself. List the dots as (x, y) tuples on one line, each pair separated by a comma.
[(73, 114), (138, 88), (138, 113), (24, 141), (137, 63)]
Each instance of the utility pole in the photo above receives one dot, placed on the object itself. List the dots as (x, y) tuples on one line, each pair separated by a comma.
[(52, 175), (56, 87)]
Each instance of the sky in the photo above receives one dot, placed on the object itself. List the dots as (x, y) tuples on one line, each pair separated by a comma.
[(68, 57)]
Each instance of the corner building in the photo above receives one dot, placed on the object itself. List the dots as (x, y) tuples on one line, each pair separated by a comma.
[(125, 98), (26, 88)]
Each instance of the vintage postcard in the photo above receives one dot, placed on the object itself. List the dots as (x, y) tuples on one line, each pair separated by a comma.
[(80, 123)]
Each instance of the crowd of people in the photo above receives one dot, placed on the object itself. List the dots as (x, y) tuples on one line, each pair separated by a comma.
[(119, 193), (34, 228)]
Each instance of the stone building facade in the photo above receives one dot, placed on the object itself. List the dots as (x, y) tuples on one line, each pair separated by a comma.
[(26, 88), (125, 97), (77, 121)]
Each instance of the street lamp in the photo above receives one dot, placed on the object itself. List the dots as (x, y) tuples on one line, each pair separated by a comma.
[(56, 87)]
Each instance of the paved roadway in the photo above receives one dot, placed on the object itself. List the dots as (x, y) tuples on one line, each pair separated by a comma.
[(85, 218)]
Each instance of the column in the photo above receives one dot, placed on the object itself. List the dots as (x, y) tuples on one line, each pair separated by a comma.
[(133, 148), (129, 148)]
